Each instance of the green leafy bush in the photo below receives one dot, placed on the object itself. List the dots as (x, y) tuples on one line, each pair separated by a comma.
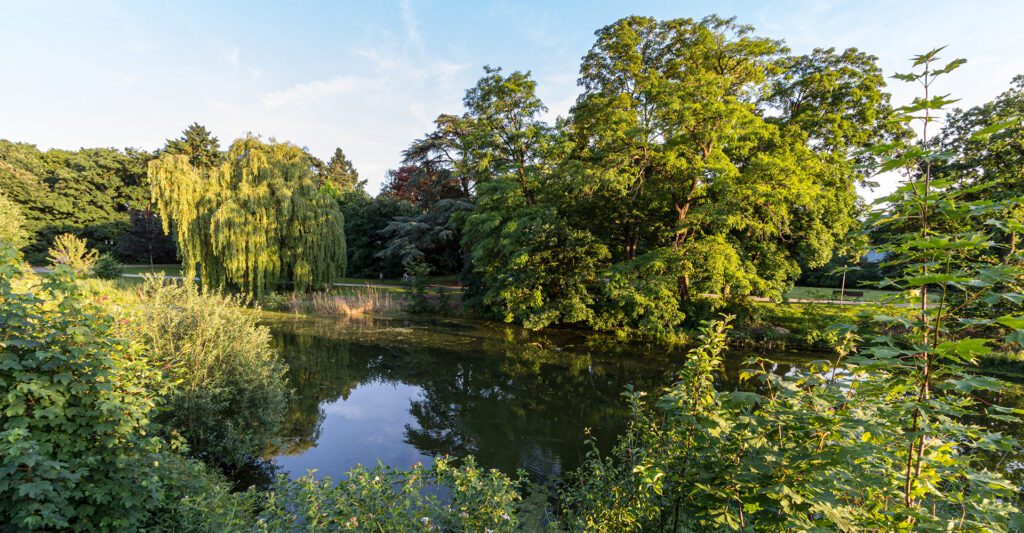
[(887, 440), (416, 274), (443, 497), (107, 267), (76, 404), (72, 251), (642, 295), (230, 390)]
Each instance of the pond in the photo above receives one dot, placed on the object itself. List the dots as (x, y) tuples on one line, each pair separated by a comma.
[(402, 391)]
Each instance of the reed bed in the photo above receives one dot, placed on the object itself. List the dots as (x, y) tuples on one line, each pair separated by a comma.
[(360, 302)]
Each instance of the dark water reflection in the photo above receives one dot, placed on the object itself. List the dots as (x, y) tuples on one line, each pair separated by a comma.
[(404, 391)]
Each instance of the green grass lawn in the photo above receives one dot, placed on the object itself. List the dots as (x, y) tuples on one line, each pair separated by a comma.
[(803, 293), (170, 270), (824, 293), (175, 270)]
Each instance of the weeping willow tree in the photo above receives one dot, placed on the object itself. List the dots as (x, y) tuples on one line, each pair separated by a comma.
[(254, 222)]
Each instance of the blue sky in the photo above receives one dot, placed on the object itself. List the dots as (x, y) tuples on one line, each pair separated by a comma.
[(370, 76)]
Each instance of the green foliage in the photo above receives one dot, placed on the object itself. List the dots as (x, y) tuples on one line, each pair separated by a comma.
[(674, 151), (12, 223), (876, 441), (642, 295), (73, 252), (416, 279), (694, 140), (197, 144), (88, 192), (535, 269), (230, 393), (107, 267), (365, 220), (75, 404), (254, 222), (341, 174), (383, 499)]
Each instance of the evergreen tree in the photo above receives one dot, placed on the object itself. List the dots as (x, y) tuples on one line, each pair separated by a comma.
[(198, 144), (341, 173)]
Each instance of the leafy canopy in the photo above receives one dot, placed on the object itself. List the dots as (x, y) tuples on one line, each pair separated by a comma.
[(256, 221)]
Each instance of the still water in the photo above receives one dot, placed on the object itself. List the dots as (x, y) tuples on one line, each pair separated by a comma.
[(402, 391)]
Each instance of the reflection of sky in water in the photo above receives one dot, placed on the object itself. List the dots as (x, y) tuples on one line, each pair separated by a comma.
[(367, 427)]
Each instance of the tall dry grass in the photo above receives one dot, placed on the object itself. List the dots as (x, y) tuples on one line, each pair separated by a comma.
[(363, 301)]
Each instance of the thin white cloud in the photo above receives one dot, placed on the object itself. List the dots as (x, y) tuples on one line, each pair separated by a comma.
[(310, 92), (412, 30)]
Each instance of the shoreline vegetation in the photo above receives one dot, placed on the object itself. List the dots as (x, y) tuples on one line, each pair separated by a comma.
[(700, 186)]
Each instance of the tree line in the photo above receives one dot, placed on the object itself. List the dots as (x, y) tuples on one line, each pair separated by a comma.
[(699, 159)]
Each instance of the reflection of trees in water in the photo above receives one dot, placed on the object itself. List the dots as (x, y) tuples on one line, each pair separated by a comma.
[(319, 371), (526, 408), (513, 406), (511, 401)]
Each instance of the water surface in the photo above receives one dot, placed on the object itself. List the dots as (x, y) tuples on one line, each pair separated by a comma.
[(402, 391)]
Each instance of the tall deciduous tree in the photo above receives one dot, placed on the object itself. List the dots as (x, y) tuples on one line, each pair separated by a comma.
[(255, 221), (677, 151), (88, 192), (12, 223)]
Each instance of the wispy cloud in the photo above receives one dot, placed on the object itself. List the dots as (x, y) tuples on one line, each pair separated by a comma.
[(310, 92), (412, 29)]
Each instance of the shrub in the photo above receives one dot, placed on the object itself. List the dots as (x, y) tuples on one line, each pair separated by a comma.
[(107, 267), (72, 251), (230, 394), (385, 499), (416, 273), (76, 406), (820, 448)]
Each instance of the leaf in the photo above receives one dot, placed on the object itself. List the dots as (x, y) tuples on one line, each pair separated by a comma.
[(1011, 321), (984, 133), (970, 384), (741, 399)]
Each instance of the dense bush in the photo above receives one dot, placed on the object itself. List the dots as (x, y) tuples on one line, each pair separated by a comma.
[(820, 448), (230, 392), (75, 409), (107, 267)]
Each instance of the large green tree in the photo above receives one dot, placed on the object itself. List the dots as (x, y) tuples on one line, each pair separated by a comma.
[(89, 192), (254, 222), (677, 153), (534, 268)]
